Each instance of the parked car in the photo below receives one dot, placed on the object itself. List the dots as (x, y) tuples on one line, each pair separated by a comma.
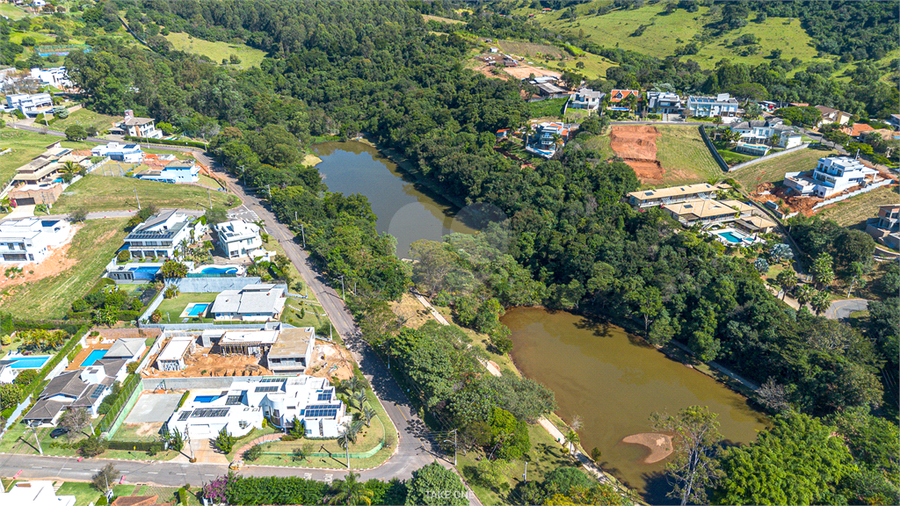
[(59, 431)]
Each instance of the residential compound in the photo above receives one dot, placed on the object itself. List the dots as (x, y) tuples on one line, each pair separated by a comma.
[(885, 228), (259, 302), (707, 107), (162, 234), (548, 137), (248, 401), (238, 238), (655, 198), (664, 103), (831, 176), (176, 171), (32, 239), (697, 204), (587, 99), (706, 211), (758, 136), (137, 127), (40, 180)]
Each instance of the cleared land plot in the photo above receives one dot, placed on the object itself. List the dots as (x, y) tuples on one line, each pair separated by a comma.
[(24, 145), (90, 251), (550, 108), (684, 156), (86, 118), (600, 143), (523, 71), (99, 193), (429, 17), (854, 211), (217, 51), (770, 171), (152, 408), (528, 49)]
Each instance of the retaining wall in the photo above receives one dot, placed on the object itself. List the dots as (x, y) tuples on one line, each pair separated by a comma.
[(853, 194), (713, 150), (14, 417)]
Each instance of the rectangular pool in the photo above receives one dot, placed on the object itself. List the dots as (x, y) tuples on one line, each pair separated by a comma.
[(94, 356), (197, 310), (29, 363), (205, 398), (732, 237)]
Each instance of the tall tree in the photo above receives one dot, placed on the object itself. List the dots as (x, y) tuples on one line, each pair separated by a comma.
[(695, 466), (435, 485), (351, 491)]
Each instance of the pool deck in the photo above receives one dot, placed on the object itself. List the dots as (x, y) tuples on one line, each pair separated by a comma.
[(83, 354)]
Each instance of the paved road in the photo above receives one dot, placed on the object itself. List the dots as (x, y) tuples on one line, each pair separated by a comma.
[(841, 309)]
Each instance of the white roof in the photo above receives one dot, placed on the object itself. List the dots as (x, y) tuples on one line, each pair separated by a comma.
[(249, 336), (176, 348), (35, 493)]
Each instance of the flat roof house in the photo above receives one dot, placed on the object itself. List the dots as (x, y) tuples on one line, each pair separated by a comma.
[(30, 105), (259, 302), (707, 107), (128, 153), (704, 212), (755, 224), (31, 239), (292, 352), (248, 342), (832, 175), (171, 358), (587, 99), (176, 171), (653, 198), (238, 238), (162, 234), (885, 228), (35, 493), (45, 168), (137, 127)]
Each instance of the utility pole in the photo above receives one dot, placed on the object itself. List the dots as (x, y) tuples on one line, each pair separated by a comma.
[(36, 440), (455, 446), (525, 476), (343, 294), (209, 196), (136, 197), (269, 188), (303, 234), (243, 178)]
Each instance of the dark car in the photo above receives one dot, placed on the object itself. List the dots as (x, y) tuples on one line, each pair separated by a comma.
[(59, 431)]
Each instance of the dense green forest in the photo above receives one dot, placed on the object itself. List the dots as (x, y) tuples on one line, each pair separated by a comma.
[(338, 68)]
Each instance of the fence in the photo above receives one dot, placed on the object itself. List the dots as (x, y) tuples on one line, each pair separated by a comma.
[(195, 383), (853, 194), (768, 157), (713, 150), (117, 409)]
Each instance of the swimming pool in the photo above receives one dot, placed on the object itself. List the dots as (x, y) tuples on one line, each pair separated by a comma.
[(220, 270), (205, 398), (29, 363), (197, 309), (732, 237), (93, 357)]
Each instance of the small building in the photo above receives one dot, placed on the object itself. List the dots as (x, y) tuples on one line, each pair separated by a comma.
[(894, 121), (755, 224), (34, 493), (137, 127), (162, 234), (128, 153), (126, 349), (830, 116), (550, 90), (177, 171), (770, 132), (674, 194), (707, 211), (171, 358), (32, 239), (768, 105), (56, 77), (31, 194), (616, 97), (832, 175), (258, 302), (254, 343), (885, 228), (292, 351), (587, 99), (548, 138), (708, 107), (664, 102), (237, 238), (30, 105)]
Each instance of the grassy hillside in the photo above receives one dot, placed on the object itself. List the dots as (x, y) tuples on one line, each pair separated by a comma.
[(854, 212), (773, 170), (684, 156), (101, 193), (216, 51)]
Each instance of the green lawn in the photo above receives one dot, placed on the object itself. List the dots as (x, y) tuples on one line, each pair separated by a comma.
[(176, 305), (732, 158), (773, 170), (100, 193), (600, 143), (85, 117), (24, 145), (85, 493), (684, 156), (216, 51), (550, 108), (91, 249), (11, 11), (854, 211), (19, 440)]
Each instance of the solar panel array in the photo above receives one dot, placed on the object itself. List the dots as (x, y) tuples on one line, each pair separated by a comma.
[(97, 391), (320, 411), (233, 400), (184, 416), (266, 389), (273, 380), (325, 395), (210, 412)]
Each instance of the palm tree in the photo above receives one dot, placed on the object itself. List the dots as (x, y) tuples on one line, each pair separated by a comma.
[(528, 131), (571, 439), (5, 205), (820, 302), (344, 442), (351, 491), (360, 398), (70, 167), (368, 414)]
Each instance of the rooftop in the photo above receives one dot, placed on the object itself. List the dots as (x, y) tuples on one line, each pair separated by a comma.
[(675, 191), (176, 348), (706, 208), (293, 342), (249, 336)]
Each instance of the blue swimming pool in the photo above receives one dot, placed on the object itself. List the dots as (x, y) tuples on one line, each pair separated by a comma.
[(198, 309), (731, 237), (205, 398), (220, 270), (93, 357), (145, 272), (29, 363)]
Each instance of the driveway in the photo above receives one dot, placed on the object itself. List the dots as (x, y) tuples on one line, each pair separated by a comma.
[(841, 309)]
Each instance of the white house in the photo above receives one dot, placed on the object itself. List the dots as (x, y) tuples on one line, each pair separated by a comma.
[(137, 127), (30, 105), (32, 239), (176, 171), (259, 302), (548, 137), (81, 388), (128, 153), (56, 77), (586, 98), (830, 115), (162, 234), (894, 121), (664, 102), (172, 356), (278, 399), (832, 175), (238, 238), (707, 107), (764, 131), (35, 493)]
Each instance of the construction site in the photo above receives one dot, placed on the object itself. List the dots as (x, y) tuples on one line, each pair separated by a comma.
[(636, 146)]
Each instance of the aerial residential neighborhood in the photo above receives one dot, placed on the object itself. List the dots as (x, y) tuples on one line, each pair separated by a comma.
[(449, 253)]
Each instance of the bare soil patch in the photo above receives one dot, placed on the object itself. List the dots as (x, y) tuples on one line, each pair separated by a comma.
[(523, 71), (659, 444), (636, 145), (205, 363), (57, 262), (330, 361)]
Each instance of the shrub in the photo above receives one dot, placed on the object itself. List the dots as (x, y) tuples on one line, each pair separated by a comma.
[(123, 256), (92, 446), (253, 453), (171, 292), (25, 377)]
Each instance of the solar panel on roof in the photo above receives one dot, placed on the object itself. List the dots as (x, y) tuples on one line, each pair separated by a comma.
[(325, 395), (97, 391), (266, 389), (233, 400), (184, 416), (210, 412), (321, 411), (273, 380)]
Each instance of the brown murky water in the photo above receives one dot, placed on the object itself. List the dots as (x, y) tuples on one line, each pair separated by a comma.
[(614, 383), (403, 210)]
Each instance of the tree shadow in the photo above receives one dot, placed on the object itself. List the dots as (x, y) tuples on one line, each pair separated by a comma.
[(656, 488)]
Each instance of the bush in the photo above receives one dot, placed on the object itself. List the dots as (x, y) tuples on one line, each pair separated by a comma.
[(25, 377), (192, 144), (76, 133), (92, 446), (171, 292), (123, 256), (184, 398), (253, 453), (10, 395)]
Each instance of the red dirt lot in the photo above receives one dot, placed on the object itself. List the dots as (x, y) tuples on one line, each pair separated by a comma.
[(636, 145)]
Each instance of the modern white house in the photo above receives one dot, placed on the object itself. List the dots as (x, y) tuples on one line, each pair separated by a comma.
[(80, 388), (548, 137), (664, 103), (237, 238), (128, 153), (137, 127), (176, 171), (832, 175), (162, 234), (32, 239), (885, 228), (766, 131), (35, 493), (707, 107), (30, 105), (56, 77), (258, 302), (652, 198), (587, 99)]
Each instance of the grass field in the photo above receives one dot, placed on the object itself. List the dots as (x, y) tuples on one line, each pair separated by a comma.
[(24, 145), (773, 170), (216, 51), (428, 17), (854, 211), (84, 493), (529, 50), (601, 143), (11, 11), (550, 108), (99, 193), (684, 156), (91, 248), (85, 117)]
